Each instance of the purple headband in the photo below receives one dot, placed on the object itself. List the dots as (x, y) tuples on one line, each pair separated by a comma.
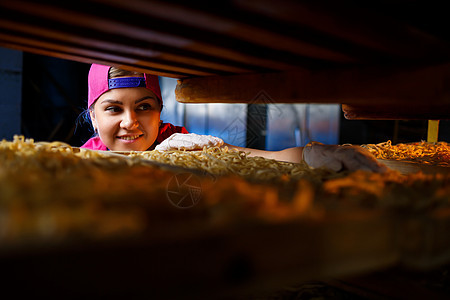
[(126, 82)]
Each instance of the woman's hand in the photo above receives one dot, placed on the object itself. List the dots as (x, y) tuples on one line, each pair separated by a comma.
[(189, 141), (338, 158)]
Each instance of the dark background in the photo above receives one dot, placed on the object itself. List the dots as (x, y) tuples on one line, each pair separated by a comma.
[(54, 96)]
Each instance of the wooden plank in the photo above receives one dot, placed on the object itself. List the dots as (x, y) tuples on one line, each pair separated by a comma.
[(371, 86), (83, 59), (419, 111), (185, 15), (386, 27), (86, 56), (211, 36), (148, 32), (228, 260), (107, 55), (254, 35), (127, 47), (364, 35)]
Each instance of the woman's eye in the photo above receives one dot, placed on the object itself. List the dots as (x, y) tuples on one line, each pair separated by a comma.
[(144, 106), (113, 109)]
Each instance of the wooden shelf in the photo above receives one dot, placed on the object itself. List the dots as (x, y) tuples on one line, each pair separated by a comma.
[(248, 257)]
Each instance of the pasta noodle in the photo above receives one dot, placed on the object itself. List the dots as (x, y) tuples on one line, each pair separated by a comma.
[(422, 152), (224, 161)]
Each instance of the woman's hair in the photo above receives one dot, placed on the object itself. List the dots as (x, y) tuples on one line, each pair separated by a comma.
[(116, 72)]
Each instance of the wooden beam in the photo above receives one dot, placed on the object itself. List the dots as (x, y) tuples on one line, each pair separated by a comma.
[(420, 111), (127, 47), (384, 26), (80, 58), (147, 30), (227, 26), (154, 66), (369, 86), (82, 55)]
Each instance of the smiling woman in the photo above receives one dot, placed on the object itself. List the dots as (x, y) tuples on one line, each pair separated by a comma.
[(124, 107), (128, 117)]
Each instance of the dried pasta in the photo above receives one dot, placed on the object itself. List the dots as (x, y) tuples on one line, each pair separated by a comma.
[(224, 161), (422, 152)]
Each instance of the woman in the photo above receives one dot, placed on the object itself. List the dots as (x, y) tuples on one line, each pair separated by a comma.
[(125, 108)]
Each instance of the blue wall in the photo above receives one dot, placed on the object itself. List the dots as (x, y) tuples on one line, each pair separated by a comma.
[(10, 93)]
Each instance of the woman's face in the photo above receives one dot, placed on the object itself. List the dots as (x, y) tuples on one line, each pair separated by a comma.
[(127, 119)]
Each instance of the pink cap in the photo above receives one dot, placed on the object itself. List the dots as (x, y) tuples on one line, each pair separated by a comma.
[(98, 83)]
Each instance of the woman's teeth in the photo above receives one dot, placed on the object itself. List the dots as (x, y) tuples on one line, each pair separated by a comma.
[(129, 138)]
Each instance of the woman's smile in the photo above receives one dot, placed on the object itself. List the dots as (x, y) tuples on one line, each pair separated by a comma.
[(130, 138)]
